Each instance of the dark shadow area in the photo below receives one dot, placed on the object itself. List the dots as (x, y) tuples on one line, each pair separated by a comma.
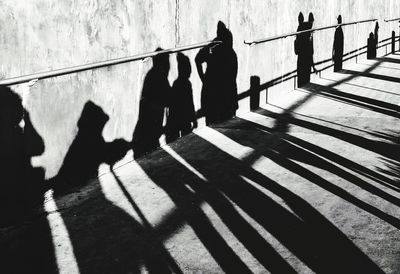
[(389, 60), (188, 192), (338, 42), (88, 151), (105, 239), (305, 232), (181, 114), (153, 103), (22, 185), (22, 190), (304, 49), (219, 91)]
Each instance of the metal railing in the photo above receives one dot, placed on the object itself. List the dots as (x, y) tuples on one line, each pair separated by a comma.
[(259, 41), (391, 20), (96, 65)]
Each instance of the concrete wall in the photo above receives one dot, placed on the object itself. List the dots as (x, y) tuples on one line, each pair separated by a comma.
[(39, 35)]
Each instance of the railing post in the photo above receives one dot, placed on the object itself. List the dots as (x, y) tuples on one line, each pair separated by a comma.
[(254, 92)]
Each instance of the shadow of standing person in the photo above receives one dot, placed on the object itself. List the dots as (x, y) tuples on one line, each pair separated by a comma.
[(22, 184), (26, 244), (154, 99), (88, 150), (181, 116), (219, 91), (337, 52), (300, 45)]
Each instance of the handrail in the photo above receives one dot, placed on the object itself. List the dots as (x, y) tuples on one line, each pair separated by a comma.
[(90, 66), (391, 20), (254, 42)]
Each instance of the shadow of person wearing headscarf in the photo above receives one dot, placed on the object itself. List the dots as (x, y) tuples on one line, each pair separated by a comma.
[(219, 91)]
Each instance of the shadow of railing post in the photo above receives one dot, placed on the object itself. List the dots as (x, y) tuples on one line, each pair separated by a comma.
[(255, 90)]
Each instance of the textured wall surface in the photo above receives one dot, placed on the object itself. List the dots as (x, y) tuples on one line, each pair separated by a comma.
[(39, 35)]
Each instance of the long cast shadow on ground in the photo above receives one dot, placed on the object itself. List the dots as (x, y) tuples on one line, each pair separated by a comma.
[(355, 100), (283, 153), (188, 192), (385, 149), (306, 233)]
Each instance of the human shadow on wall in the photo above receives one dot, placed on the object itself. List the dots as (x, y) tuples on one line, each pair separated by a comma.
[(105, 239), (21, 195), (337, 51), (219, 90), (88, 151), (153, 103), (304, 49), (22, 185), (181, 113), (302, 229)]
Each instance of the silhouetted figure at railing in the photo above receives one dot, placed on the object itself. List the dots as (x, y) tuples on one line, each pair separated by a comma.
[(372, 43), (337, 52), (88, 150), (304, 48), (376, 35), (154, 100), (21, 184), (371, 47), (219, 92), (181, 115)]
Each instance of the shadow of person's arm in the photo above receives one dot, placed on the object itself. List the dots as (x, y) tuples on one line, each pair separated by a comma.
[(200, 59)]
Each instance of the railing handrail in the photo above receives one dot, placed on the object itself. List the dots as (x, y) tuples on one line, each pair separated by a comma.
[(96, 65), (391, 20), (254, 42)]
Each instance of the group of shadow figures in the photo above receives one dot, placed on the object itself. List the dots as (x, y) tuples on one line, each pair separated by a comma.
[(304, 48), (23, 185)]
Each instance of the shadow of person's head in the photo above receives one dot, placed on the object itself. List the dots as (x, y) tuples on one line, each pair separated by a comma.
[(184, 67), (224, 35), (300, 18), (11, 109), (339, 19), (311, 19), (93, 119), (161, 62)]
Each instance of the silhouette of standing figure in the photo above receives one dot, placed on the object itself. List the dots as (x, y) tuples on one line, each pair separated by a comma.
[(219, 92), (337, 52), (22, 185), (154, 100), (304, 49), (181, 116), (371, 47), (376, 36)]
